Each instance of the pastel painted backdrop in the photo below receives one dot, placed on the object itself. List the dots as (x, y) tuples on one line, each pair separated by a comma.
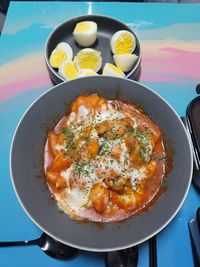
[(170, 43), (170, 40)]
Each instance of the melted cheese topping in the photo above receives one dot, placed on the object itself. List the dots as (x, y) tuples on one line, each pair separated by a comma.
[(103, 159)]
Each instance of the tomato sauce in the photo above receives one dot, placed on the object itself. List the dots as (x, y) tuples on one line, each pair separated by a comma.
[(105, 161)]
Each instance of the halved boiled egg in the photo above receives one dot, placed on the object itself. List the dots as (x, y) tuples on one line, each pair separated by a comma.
[(125, 61), (111, 70), (86, 72), (88, 58), (123, 42), (85, 33), (62, 52), (68, 70)]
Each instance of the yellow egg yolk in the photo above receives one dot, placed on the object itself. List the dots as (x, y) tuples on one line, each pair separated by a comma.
[(124, 44), (70, 71), (57, 58), (82, 27), (88, 60), (115, 69)]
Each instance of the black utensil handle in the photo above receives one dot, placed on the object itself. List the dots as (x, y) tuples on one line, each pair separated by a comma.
[(194, 236), (122, 258), (12, 243), (153, 252), (198, 88), (16, 243), (198, 217)]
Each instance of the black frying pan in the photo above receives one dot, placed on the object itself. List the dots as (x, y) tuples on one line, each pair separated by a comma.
[(26, 165)]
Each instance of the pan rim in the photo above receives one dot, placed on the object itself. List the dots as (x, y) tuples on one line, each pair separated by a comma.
[(190, 156)]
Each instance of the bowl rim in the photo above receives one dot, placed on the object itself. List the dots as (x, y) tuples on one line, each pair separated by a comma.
[(136, 66), (102, 249)]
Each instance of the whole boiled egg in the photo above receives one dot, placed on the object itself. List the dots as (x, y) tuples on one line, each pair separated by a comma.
[(85, 33), (86, 72), (111, 70), (62, 52), (123, 42), (68, 70), (88, 58), (125, 61)]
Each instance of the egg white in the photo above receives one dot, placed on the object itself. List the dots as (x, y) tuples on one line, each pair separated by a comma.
[(85, 37), (86, 72), (67, 52), (66, 48), (88, 58), (119, 36), (125, 61), (67, 76), (111, 70)]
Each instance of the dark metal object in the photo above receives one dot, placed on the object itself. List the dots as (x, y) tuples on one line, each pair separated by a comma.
[(195, 177), (198, 219), (122, 258), (196, 180), (194, 226), (49, 245), (198, 88), (153, 252), (192, 122)]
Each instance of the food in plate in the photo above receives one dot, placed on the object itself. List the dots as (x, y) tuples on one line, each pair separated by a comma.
[(105, 160), (62, 52), (86, 72), (85, 33), (68, 70), (123, 42), (111, 70), (125, 62), (88, 58)]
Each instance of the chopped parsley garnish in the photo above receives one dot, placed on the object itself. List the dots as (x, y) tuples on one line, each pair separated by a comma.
[(113, 182), (144, 152), (104, 149), (70, 146), (87, 138), (83, 169), (135, 187), (68, 133), (140, 135)]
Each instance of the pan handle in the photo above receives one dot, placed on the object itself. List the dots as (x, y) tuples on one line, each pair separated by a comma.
[(153, 252), (198, 218)]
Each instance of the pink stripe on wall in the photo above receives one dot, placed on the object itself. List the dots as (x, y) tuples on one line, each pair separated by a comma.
[(159, 64), (172, 65), (9, 90)]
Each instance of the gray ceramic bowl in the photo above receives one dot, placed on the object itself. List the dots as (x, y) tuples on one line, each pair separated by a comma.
[(107, 26), (26, 166)]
